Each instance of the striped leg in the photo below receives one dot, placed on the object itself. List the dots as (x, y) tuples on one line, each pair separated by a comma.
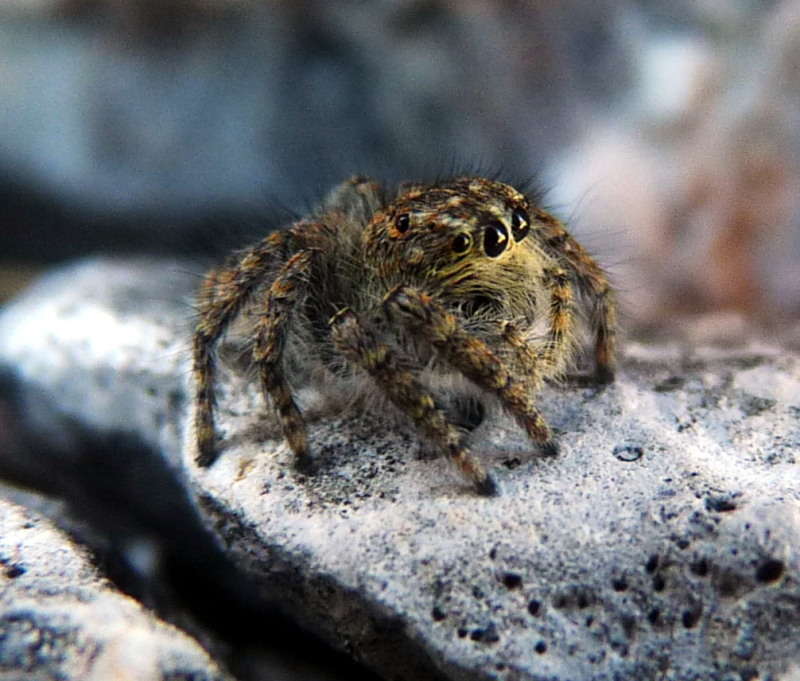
[(286, 291), (472, 357), (360, 345), (222, 295), (591, 279)]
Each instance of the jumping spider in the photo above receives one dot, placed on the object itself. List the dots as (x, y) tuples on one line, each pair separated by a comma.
[(460, 287)]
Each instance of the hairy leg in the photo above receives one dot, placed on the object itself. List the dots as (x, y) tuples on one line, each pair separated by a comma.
[(284, 295), (359, 345), (591, 278), (472, 357), (223, 293)]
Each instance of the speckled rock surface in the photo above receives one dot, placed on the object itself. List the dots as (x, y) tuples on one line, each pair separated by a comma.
[(60, 620), (664, 539), (661, 543)]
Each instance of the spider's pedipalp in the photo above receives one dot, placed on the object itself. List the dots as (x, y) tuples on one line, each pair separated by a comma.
[(359, 344)]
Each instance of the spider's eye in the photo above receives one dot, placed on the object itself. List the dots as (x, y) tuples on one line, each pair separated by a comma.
[(520, 224), (461, 243), (402, 222), (495, 239)]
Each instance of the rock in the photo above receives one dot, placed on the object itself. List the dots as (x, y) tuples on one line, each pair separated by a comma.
[(98, 348), (60, 620), (662, 541), (91, 373), (665, 536)]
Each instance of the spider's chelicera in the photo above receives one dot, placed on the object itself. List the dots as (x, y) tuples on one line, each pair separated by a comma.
[(429, 294)]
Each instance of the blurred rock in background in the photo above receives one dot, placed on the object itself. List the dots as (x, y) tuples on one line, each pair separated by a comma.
[(668, 134)]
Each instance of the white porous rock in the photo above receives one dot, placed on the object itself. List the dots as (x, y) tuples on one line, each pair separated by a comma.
[(661, 543), (662, 540), (60, 620)]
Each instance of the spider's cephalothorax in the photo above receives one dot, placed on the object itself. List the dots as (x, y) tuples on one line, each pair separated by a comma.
[(464, 280)]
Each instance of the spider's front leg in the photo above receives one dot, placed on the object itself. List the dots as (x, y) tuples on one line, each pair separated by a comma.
[(359, 344), (472, 357)]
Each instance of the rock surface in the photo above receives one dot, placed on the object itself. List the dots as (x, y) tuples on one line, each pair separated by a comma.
[(664, 539), (60, 620), (661, 543)]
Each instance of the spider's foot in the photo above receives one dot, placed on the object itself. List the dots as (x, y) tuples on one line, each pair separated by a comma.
[(549, 448), (486, 487), (473, 470), (207, 452), (604, 374), (305, 465)]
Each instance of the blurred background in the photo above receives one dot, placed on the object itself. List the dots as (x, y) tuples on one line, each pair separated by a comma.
[(666, 134)]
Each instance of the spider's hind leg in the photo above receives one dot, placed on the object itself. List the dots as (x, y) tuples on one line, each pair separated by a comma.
[(223, 293), (285, 293)]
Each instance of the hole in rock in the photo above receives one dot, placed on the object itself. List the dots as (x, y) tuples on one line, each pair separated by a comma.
[(691, 617), (628, 453), (511, 580), (769, 571), (534, 606), (487, 634), (14, 571), (721, 503), (540, 647)]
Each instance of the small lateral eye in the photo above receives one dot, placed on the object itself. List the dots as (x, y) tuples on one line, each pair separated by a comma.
[(402, 223), (520, 224), (461, 243), (495, 239)]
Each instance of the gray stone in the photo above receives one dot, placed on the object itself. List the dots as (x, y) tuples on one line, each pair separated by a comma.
[(98, 347), (91, 396), (60, 621), (664, 538), (663, 541)]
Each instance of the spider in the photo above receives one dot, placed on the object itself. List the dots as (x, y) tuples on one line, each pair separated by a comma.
[(439, 297)]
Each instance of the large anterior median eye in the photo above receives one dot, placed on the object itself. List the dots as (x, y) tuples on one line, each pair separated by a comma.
[(520, 224), (495, 239)]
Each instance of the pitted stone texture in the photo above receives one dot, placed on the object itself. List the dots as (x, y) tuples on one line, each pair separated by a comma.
[(59, 620), (663, 540)]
